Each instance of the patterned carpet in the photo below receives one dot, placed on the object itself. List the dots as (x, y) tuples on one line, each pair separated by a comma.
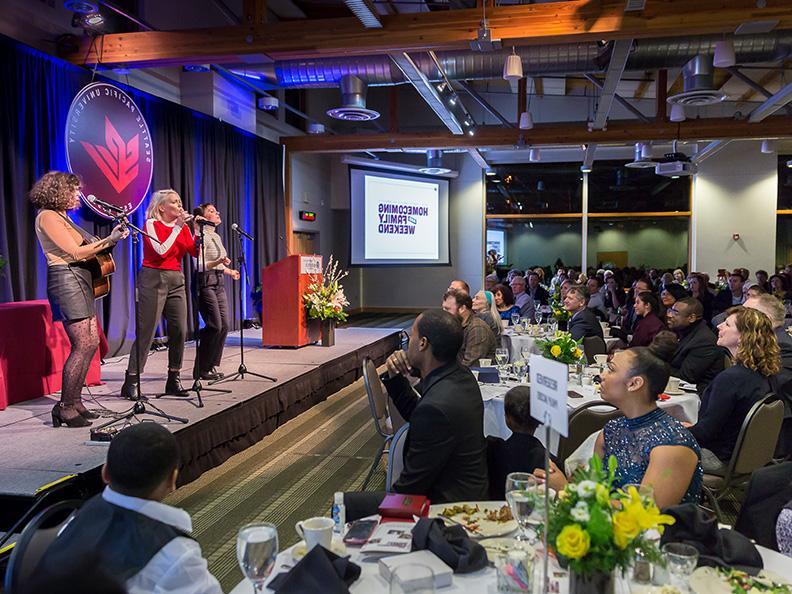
[(290, 475)]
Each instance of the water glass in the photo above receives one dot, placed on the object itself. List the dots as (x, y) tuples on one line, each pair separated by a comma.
[(412, 578), (681, 560), (257, 548), (501, 358), (522, 495), (520, 367), (515, 319), (525, 353)]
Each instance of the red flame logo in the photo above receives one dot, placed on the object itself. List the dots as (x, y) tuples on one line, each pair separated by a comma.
[(118, 161)]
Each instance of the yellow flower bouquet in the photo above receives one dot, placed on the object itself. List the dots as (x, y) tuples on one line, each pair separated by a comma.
[(562, 347), (560, 313), (595, 528)]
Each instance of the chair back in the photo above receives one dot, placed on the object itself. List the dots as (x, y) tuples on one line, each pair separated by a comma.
[(757, 439), (584, 421), (377, 398), (594, 345), (396, 456), (33, 542)]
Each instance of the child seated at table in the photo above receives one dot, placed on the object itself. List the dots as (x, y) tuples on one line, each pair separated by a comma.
[(522, 452)]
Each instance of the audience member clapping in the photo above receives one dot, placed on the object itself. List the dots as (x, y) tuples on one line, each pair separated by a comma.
[(748, 336)]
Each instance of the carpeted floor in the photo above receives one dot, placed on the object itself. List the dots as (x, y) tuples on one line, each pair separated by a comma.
[(290, 475)]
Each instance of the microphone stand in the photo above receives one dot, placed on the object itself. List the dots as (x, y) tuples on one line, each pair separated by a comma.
[(140, 405), (197, 387), (242, 371)]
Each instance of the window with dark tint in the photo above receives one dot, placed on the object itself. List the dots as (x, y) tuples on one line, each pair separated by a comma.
[(659, 242), (535, 188), (616, 188), (540, 242), (784, 183)]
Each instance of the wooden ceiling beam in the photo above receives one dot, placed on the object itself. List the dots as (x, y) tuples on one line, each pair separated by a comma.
[(548, 134), (526, 24)]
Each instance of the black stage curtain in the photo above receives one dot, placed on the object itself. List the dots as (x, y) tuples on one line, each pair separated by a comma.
[(200, 157)]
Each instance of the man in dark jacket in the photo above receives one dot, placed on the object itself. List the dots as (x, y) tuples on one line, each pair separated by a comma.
[(583, 322), (445, 455), (537, 292), (698, 358)]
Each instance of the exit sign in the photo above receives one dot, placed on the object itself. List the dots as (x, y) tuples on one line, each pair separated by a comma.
[(307, 215)]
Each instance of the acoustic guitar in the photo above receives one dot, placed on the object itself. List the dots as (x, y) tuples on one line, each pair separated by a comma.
[(101, 266)]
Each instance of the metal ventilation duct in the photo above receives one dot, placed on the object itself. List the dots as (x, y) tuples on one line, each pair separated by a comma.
[(647, 54), (353, 102), (699, 84)]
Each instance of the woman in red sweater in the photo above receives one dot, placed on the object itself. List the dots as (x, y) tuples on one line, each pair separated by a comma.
[(161, 290), (649, 323)]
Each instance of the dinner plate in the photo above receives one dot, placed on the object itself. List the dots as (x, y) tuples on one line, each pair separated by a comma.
[(709, 580), (476, 524)]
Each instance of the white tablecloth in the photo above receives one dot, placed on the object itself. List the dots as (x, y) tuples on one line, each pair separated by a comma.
[(514, 342), (684, 407), (480, 582)]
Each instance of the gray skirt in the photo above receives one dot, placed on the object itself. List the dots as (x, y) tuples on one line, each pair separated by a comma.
[(70, 293)]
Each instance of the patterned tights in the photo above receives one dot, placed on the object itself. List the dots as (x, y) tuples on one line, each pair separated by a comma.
[(84, 338)]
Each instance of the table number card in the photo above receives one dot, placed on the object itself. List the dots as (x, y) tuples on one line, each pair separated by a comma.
[(549, 393)]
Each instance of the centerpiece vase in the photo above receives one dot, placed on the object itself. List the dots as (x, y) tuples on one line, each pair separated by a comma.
[(594, 583), (328, 332)]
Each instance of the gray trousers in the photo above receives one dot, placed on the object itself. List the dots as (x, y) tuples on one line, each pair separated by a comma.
[(160, 292)]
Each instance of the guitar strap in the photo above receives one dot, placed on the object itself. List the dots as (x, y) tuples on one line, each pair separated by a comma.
[(87, 237)]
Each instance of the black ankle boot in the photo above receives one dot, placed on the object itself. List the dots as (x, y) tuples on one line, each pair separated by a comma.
[(131, 388), (173, 387)]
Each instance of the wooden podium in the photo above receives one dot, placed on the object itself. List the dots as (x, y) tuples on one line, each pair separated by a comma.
[(283, 318)]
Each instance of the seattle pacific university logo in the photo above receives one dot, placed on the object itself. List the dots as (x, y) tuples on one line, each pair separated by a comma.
[(109, 146)]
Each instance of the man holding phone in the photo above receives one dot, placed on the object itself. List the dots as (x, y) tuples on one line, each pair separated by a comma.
[(445, 455)]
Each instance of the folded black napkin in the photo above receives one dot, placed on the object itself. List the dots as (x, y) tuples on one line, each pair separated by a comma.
[(717, 547), (487, 375), (319, 571), (450, 543)]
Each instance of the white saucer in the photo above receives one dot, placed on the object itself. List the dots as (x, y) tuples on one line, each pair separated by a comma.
[(299, 550), (673, 392)]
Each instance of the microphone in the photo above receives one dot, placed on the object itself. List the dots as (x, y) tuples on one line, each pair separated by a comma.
[(106, 205), (239, 230)]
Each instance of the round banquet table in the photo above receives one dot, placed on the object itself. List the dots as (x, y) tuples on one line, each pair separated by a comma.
[(516, 342)]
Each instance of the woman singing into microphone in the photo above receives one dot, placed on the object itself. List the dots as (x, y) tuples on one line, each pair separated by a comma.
[(69, 286), (161, 290), (213, 302)]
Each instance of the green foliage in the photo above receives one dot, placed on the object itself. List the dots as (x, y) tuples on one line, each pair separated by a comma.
[(561, 348), (325, 299)]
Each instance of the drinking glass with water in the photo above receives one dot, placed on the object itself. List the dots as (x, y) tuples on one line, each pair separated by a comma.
[(522, 495), (257, 548)]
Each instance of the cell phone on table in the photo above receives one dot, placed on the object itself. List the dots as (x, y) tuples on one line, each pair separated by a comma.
[(360, 531)]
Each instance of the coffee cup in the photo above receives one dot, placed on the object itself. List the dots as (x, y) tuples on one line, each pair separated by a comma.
[(672, 385), (601, 360), (485, 362), (316, 531), (606, 331)]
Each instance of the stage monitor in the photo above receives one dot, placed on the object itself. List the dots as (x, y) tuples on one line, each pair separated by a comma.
[(398, 219)]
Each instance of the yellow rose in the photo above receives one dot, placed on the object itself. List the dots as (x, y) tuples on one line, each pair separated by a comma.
[(625, 528), (573, 542), (578, 353), (555, 350)]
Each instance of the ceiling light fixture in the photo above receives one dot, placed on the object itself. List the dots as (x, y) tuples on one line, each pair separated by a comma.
[(768, 146), (789, 163), (94, 19), (490, 171), (81, 6), (724, 54), (526, 121), (534, 155), (585, 169), (677, 113), (512, 67)]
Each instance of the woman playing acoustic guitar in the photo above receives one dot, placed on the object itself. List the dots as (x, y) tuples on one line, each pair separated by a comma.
[(69, 285)]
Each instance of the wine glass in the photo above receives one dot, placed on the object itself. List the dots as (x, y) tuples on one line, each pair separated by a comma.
[(520, 369), (522, 495), (538, 315), (501, 358), (681, 560), (515, 318), (257, 548), (525, 353)]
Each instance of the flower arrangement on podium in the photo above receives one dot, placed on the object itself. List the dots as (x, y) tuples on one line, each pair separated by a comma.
[(562, 347), (596, 529), (325, 300)]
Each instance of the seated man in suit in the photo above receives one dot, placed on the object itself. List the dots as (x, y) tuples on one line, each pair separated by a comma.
[(537, 292), (478, 341), (445, 456), (522, 452), (583, 322), (731, 295), (698, 358), (137, 538)]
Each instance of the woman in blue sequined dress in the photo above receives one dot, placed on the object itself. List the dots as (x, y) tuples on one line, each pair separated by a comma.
[(651, 447)]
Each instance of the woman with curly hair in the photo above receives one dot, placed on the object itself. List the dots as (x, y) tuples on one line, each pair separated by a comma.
[(748, 336), (69, 285)]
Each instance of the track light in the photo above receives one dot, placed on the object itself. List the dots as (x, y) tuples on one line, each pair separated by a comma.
[(585, 169), (646, 150), (512, 67), (452, 100), (534, 155), (471, 131), (789, 163), (724, 54), (490, 171), (677, 112), (526, 121), (768, 146)]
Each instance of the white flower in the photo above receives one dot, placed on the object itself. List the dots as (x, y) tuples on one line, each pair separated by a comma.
[(580, 512), (587, 488), (572, 487)]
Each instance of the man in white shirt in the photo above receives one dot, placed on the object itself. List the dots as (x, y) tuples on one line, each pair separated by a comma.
[(145, 543), (521, 298)]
